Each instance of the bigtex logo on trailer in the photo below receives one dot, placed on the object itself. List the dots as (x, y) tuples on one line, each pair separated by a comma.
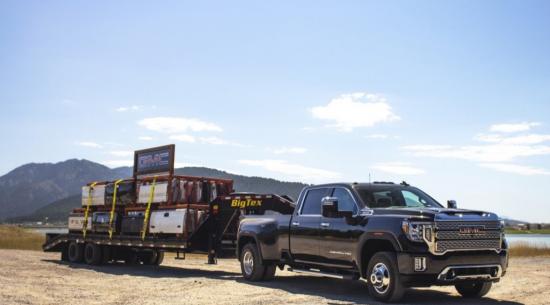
[(238, 203)]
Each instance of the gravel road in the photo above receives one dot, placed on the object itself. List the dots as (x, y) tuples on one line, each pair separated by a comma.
[(31, 277)]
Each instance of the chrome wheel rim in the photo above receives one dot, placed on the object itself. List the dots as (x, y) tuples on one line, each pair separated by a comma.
[(380, 278), (248, 262)]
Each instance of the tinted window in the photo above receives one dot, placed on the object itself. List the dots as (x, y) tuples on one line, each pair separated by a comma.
[(345, 201), (413, 200), (397, 197), (312, 203)]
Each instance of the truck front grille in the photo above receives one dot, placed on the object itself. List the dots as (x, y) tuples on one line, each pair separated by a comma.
[(466, 235)]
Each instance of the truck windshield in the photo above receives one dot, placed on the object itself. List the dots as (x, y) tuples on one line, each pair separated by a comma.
[(405, 197)]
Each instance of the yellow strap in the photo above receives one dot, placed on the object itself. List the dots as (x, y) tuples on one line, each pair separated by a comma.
[(113, 209), (148, 209), (90, 190)]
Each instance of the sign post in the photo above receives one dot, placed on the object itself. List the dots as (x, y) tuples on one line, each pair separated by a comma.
[(156, 161)]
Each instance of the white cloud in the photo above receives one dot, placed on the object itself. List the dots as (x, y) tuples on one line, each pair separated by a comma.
[(293, 171), (495, 150), (183, 138), (480, 153), (214, 141), (145, 138), (121, 153), (527, 139), (525, 126), (349, 111), (516, 169), (289, 150), (203, 140), (177, 124), (398, 168), (377, 136), (117, 163), (129, 108), (89, 144)]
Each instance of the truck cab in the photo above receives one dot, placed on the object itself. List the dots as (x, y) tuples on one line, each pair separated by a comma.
[(392, 236)]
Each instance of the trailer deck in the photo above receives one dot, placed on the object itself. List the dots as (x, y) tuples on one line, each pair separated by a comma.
[(215, 235)]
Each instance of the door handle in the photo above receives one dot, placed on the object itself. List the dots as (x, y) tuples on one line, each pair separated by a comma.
[(325, 224), (295, 223)]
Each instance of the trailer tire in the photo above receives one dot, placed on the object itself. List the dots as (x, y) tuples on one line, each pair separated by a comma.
[(106, 256), (75, 252), (65, 254), (148, 258), (92, 254), (252, 267), (160, 257), (131, 258)]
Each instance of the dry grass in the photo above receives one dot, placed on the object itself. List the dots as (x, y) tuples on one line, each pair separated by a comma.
[(527, 250), (13, 237)]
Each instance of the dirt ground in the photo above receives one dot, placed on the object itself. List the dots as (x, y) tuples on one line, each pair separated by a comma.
[(32, 277)]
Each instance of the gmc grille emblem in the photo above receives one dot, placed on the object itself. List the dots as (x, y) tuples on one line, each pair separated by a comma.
[(471, 230)]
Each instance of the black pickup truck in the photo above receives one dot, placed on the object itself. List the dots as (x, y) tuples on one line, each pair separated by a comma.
[(393, 236)]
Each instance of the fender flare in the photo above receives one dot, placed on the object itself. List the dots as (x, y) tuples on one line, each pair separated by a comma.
[(248, 235), (375, 236)]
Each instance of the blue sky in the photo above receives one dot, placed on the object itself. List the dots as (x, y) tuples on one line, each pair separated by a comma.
[(453, 97)]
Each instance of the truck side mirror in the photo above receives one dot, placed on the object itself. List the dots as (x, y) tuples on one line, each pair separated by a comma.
[(329, 207), (451, 204)]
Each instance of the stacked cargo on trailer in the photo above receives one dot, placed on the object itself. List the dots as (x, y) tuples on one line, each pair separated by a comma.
[(139, 218)]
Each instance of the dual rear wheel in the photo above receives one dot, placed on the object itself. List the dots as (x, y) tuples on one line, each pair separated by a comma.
[(253, 268)]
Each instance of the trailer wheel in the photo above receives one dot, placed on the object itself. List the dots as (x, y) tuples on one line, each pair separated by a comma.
[(473, 289), (148, 257), (131, 258), (252, 267), (65, 254), (92, 254), (75, 252), (107, 254), (160, 257)]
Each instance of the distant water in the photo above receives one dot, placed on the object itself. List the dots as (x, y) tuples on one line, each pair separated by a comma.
[(532, 239), (50, 230)]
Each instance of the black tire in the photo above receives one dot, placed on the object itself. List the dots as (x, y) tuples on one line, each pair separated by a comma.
[(269, 273), (92, 254), (252, 267), (384, 282), (152, 258), (131, 258), (160, 258), (75, 252), (473, 289), (106, 256), (65, 254)]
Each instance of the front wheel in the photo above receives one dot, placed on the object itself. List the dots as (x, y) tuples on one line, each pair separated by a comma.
[(252, 267), (473, 289), (384, 283)]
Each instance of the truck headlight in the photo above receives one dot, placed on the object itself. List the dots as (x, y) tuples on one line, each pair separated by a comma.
[(413, 230)]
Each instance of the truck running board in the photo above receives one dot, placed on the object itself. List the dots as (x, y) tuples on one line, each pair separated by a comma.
[(325, 274)]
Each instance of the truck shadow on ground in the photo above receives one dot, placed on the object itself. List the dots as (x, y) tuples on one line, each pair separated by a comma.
[(333, 290)]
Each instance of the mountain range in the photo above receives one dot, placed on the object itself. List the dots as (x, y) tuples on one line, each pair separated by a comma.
[(37, 190)]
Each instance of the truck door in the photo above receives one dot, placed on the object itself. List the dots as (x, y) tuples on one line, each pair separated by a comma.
[(304, 226), (338, 239)]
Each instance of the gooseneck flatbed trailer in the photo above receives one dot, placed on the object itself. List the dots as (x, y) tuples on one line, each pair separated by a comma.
[(215, 235)]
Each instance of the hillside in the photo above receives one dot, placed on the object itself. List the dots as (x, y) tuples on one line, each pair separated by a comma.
[(35, 191), (35, 185)]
